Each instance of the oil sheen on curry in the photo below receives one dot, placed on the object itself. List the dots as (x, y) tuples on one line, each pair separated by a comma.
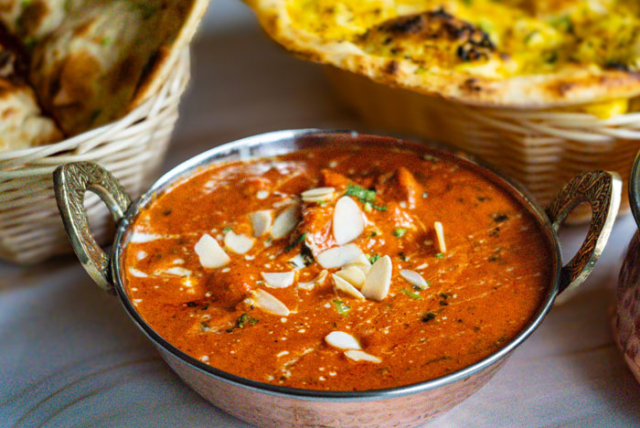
[(337, 269)]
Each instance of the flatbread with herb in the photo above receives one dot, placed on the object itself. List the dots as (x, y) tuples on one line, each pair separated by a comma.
[(518, 53), (106, 57), (23, 124)]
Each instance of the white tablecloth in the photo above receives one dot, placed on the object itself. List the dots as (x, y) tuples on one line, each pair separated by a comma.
[(69, 355)]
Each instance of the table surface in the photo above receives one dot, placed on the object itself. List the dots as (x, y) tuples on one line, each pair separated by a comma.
[(69, 355)]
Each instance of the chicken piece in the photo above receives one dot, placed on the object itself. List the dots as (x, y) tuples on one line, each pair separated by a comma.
[(228, 287), (316, 224), (334, 179), (402, 186)]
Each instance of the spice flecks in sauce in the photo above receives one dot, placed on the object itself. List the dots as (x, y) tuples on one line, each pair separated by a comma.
[(480, 294)]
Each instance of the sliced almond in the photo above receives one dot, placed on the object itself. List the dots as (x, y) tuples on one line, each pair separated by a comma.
[(348, 222), (354, 275), (175, 271), (362, 263), (346, 287), (298, 262), (377, 284), (239, 244), (339, 256), (440, 234), (311, 284), (357, 356), (285, 222), (278, 279), (268, 303), (342, 340), (261, 222), (210, 252), (414, 278), (318, 194), (137, 273)]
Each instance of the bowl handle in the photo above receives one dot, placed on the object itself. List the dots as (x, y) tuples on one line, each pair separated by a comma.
[(602, 190), (71, 182)]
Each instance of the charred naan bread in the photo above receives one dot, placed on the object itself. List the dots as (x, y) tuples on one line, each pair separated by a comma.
[(31, 20), (107, 56), (509, 52), (22, 124)]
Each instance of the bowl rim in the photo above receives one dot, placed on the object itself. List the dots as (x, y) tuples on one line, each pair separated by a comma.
[(241, 149)]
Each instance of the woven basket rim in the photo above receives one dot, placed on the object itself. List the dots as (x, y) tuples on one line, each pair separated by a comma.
[(180, 67)]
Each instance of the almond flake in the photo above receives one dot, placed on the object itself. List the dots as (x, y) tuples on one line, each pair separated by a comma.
[(414, 278), (175, 271), (211, 253), (354, 275), (278, 279), (440, 234), (318, 280), (261, 222), (346, 287), (137, 273), (266, 302), (318, 194), (239, 244), (285, 222), (339, 256), (362, 263), (356, 355), (342, 340), (377, 284), (348, 222)]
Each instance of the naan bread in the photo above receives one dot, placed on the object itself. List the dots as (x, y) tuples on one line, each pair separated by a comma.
[(518, 53), (31, 20), (106, 57), (22, 124)]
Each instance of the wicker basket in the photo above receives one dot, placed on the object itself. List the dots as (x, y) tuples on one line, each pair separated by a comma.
[(132, 148), (541, 149)]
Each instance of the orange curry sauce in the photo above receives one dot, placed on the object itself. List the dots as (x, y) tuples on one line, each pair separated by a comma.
[(482, 291)]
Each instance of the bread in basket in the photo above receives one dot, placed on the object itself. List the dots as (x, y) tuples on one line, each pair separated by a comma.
[(543, 88), (108, 75)]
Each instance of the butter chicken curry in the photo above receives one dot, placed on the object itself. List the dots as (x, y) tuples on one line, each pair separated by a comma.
[(337, 269)]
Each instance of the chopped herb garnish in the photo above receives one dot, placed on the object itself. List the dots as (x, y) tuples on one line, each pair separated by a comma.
[(373, 258), (562, 23), (429, 316), (341, 307), (399, 232), (145, 9), (361, 193), (365, 196), (414, 296), (243, 320), (299, 240), (402, 256), (227, 229), (374, 234), (500, 218), (105, 41), (439, 256), (321, 203), (204, 326), (192, 304)]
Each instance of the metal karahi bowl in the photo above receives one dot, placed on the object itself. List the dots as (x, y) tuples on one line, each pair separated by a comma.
[(274, 406), (626, 310)]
